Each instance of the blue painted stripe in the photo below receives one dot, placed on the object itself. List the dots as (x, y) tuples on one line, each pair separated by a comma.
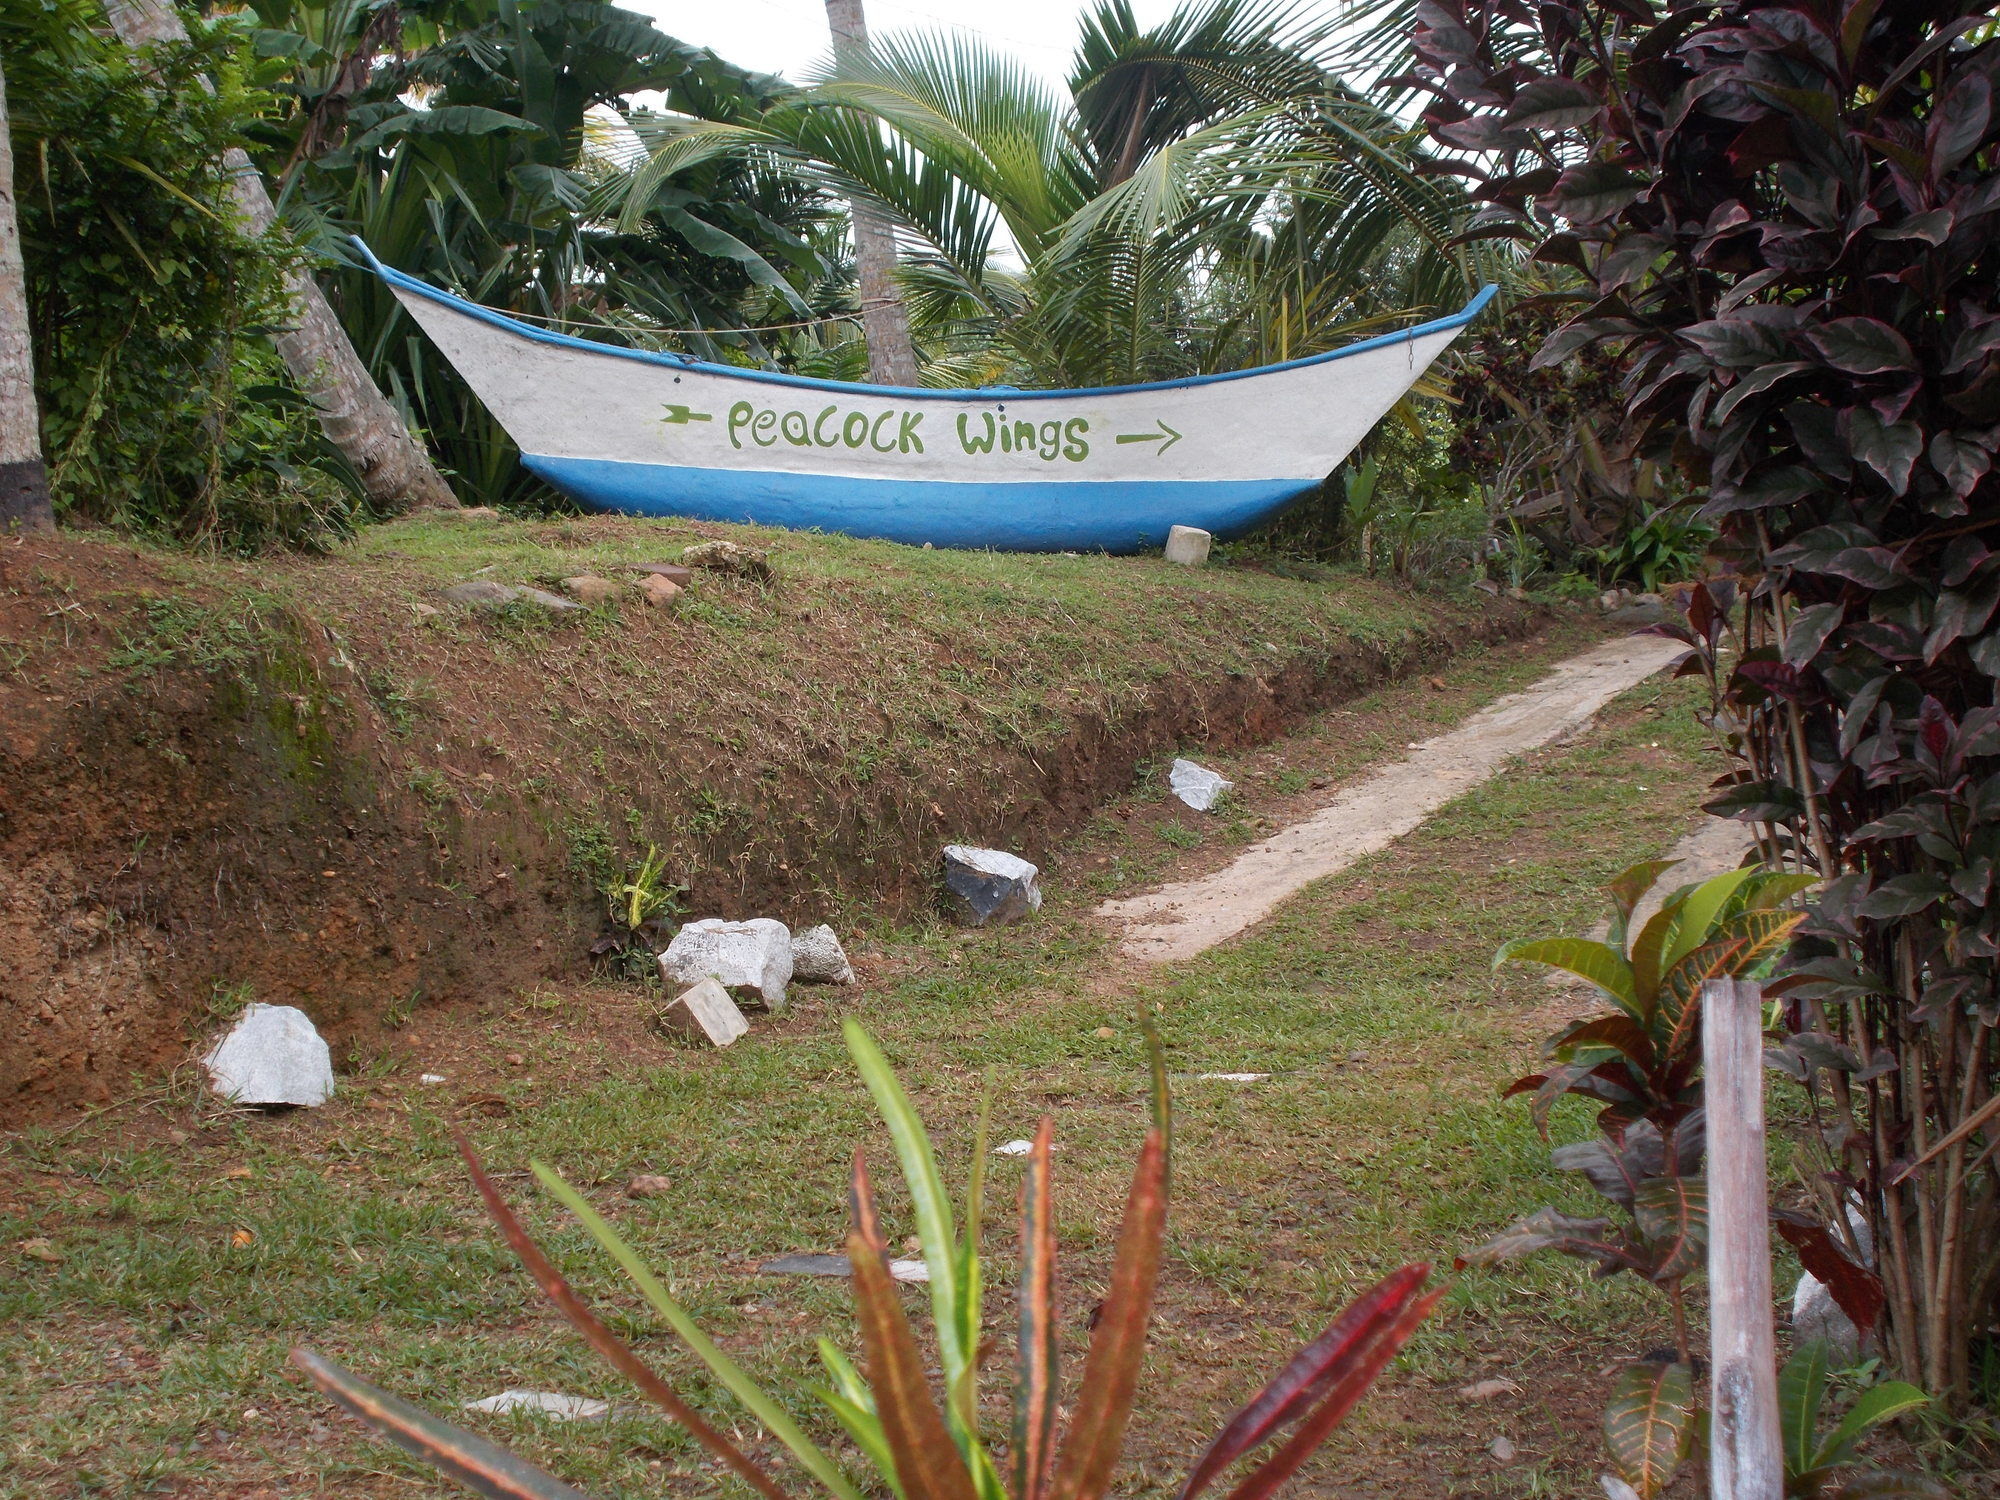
[(1109, 515), (408, 283)]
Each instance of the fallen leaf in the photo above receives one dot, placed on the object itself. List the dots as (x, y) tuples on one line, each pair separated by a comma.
[(40, 1248), (237, 1174), (486, 1104), (1438, 683), (649, 1185), (1486, 1390), (242, 1237)]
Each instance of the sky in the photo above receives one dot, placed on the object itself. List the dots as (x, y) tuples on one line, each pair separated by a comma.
[(789, 36)]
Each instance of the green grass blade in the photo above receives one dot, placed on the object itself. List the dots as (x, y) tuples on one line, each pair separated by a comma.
[(732, 1375), (933, 1208)]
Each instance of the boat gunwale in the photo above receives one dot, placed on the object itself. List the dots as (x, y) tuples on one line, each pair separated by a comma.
[(402, 281)]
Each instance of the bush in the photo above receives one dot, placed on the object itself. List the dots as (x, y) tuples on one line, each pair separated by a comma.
[(164, 409), (1784, 219)]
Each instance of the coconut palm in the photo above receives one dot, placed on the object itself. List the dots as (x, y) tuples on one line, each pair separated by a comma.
[(1207, 195)]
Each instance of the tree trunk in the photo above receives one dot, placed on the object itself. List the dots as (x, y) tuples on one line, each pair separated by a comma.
[(892, 355), (358, 420), (24, 480)]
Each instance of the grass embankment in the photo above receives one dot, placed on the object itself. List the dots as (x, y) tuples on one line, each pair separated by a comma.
[(153, 1349), (304, 777)]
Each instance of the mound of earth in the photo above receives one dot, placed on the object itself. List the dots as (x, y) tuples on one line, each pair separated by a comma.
[(316, 781)]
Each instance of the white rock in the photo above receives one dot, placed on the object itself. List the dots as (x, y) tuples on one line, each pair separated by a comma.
[(1188, 546), (1195, 785), (1013, 1148), (272, 1055), (1815, 1315), (430, 1078), (705, 1013), (550, 1403), (1235, 1077), (909, 1270), (755, 955), (818, 958), (990, 885)]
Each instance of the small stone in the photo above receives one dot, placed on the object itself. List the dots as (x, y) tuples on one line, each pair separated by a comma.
[(990, 885), (755, 955), (1104, 1033), (1014, 1148), (728, 557), (1486, 586), (549, 1403), (1195, 785), (271, 1056), (554, 603), (481, 593), (1502, 1450), (839, 1265), (1234, 1077), (425, 611), (818, 958), (705, 1013), (588, 588), (1486, 1390), (1188, 545), (1610, 599), (430, 1079), (660, 592), (672, 572), (649, 1185), (473, 513)]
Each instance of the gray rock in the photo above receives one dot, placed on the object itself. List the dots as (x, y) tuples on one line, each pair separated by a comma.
[(588, 588), (818, 958), (753, 956), (490, 593), (1188, 546), (990, 885), (705, 1013), (1815, 1315), (1195, 785), (1638, 614), (272, 1055), (728, 557), (839, 1265)]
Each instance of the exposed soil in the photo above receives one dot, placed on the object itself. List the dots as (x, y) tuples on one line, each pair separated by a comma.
[(289, 780)]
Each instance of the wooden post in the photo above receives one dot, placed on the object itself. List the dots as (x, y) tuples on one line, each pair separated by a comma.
[(1745, 1450)]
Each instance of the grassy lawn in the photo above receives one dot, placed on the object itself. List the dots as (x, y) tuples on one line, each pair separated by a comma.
[(195, 1247)]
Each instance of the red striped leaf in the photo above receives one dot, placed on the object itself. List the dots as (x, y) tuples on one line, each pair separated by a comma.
[(1111, 1370), (1307, 1378), (1264, 1480), (928, 1465), (1038, 1386)]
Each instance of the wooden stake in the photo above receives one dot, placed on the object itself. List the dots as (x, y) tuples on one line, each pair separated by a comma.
[(1745, 1452)]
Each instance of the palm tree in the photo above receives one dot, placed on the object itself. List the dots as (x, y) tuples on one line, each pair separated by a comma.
[(394, 470), (1209, 194), (24, 480), (892, 357)]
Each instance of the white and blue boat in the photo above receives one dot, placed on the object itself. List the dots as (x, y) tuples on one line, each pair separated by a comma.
[(1111, 469)]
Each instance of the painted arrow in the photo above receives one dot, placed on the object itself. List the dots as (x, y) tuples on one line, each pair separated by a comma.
[(680, 416), (1165, 431)]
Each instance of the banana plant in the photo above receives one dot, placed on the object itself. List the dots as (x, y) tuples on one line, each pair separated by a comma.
[(918, 1448)]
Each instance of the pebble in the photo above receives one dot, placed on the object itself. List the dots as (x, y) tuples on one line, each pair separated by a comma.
[(1502, 1450), (564, 1408), (1486, 1390), (649, 1185)]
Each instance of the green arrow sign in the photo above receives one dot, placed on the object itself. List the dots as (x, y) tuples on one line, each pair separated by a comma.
[(1165, 431), (680, 416)]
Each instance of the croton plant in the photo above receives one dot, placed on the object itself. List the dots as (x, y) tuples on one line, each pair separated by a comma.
[(1782, 219)]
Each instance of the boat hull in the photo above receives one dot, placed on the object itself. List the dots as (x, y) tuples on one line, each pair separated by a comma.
[(1085, 515), (1112, 469)]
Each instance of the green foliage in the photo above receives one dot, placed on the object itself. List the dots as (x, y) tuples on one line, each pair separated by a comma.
[(1666, 547), (474, 153), (164, 408), (1641, 1062), (918, 1449), (1811, 1455)]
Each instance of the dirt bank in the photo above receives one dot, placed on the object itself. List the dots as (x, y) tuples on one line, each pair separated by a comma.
[(305, 780)]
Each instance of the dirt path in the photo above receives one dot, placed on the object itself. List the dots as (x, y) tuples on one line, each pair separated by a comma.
[(1181, 920)]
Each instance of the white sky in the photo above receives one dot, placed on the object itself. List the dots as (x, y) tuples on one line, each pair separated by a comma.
[(789, 36)]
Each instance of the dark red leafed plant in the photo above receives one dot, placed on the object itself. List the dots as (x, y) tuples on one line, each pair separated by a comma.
[(921, 1449), (1782, 218)]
